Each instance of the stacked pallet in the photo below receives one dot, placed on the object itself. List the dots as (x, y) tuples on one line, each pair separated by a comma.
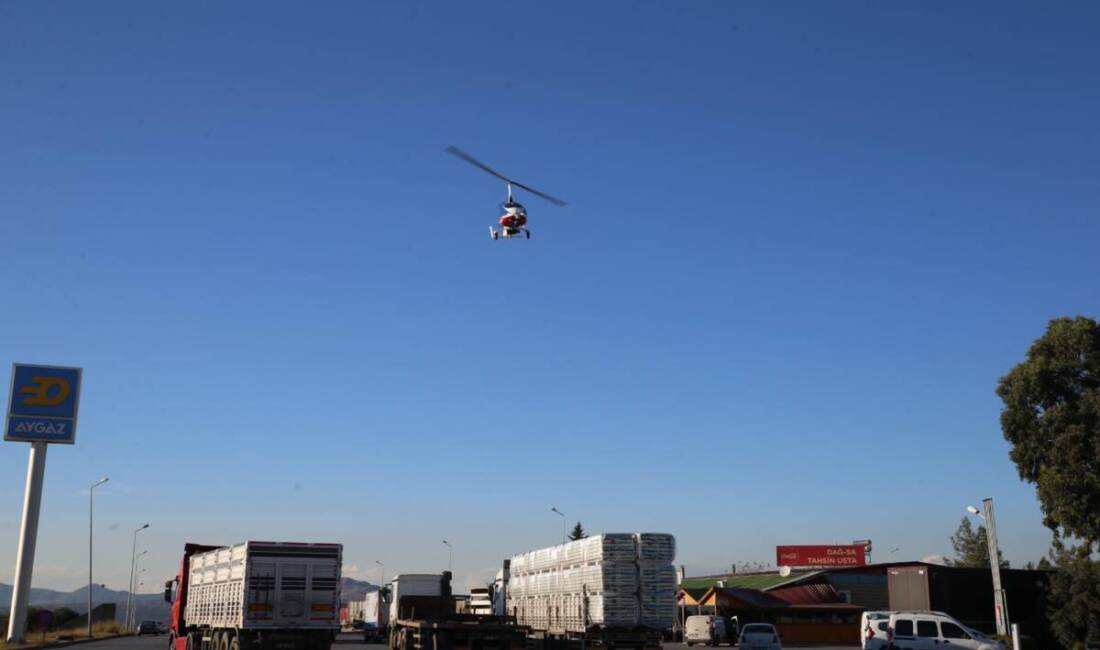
[(611, 580)]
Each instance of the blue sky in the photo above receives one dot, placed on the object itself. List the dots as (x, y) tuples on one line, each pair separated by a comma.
[(803, 243)]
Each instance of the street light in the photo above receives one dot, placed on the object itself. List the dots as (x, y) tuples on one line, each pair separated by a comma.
[(1000, 606), (91, 497), (133, 558), (450, 554), (137, 578), (562, 515), (381, 574)]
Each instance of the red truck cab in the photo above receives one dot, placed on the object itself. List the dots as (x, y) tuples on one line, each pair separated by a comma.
[(178, 639)]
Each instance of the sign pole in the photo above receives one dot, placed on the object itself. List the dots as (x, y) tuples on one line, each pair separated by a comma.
[(28, 534)]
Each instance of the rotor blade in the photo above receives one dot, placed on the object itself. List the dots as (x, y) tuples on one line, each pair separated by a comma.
[(552, 199), (455, 151)]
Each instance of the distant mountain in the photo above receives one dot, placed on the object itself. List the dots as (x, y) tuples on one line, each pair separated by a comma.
[(149, 606), (352, 589)]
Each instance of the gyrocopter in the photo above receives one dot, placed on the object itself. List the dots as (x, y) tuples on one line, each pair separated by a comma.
[(514, 221)]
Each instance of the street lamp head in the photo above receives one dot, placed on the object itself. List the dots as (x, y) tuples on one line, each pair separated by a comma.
[(379, 562), (972, 510), (99, 482), (555, 510), (144, 527)]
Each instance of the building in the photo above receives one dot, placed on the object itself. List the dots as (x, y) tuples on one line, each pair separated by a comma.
[(813, 611)]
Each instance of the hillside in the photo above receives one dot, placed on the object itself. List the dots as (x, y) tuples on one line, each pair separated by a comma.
[(149, 606)]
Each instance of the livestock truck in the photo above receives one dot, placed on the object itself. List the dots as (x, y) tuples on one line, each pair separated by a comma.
[(376, 616), (615, 591), (255, 596), (424, 616)]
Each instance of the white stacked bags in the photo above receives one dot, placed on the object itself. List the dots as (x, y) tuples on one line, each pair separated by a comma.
[(627, 580)]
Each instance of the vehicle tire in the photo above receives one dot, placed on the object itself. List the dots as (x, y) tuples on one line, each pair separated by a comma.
[(235, 643), (226, 636)]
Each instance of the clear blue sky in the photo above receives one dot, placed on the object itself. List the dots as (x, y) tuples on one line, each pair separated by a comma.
[(803, 243)]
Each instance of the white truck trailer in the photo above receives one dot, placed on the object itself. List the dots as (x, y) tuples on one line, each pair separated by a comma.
[(256, 596), (376, 617), (616, 590)]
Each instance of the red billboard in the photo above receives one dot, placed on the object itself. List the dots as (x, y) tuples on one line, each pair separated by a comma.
[(838, 555)]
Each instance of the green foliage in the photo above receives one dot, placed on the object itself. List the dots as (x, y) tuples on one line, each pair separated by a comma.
[(578, 532), (971, 547), (63, 615), (1075, 595), (1051, 417)]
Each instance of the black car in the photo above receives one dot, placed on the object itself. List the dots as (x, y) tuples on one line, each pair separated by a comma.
[(148, 627)]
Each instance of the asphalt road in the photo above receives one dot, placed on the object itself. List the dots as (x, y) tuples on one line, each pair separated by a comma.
[(343, 642)]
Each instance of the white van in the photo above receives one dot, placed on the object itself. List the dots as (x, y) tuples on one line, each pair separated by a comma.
[(924, 630), (707, 629), (872, 630)]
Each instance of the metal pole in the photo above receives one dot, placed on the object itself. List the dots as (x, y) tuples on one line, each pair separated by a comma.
[(91, 503), (28, 534), (133, 559), (130, 587), (137, 585), (1000, 608)]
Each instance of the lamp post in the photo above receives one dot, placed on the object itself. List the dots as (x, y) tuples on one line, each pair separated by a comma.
[(133, 559), (91, 501), (1000, 606), (139, 583), (381, 574), (450, 554), (562, 515)]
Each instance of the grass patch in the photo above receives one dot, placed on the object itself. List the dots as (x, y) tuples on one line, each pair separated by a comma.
[(36, 639)]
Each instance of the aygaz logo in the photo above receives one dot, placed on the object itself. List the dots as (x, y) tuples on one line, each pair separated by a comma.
[(43, 404)]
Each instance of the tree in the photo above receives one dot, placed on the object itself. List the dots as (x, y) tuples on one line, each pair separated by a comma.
[(1051, 417), (578, 532), (971, 547)]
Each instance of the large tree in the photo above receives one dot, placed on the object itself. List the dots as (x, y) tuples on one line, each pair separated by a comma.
[(971, 547), (1051, 417), (578, 532)]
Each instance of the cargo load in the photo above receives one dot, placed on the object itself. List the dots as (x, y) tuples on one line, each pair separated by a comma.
[(255, 593), (614, 580)]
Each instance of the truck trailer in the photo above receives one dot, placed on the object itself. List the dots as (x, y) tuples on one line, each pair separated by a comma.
[(255, 596), (376, 616), (615, 591), (424, 616)]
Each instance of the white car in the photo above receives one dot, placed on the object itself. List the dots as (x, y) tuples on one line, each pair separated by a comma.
[(872, 630), (758, 636), (701, 628), (921, 630)]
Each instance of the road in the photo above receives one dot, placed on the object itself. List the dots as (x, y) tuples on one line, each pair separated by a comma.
[(344, 642)]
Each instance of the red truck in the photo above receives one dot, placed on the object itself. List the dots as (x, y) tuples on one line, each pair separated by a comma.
[(255, 596)]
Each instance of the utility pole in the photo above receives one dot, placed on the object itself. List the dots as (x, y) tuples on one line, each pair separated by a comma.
[(91, 502), (1000, 607)]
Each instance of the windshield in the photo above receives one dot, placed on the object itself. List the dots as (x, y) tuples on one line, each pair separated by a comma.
[(756, 628)]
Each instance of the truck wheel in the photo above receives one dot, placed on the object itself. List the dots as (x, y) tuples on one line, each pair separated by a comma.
[(235, 644)]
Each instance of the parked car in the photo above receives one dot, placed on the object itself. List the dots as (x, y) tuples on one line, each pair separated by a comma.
[(148, 627), (923, 630), (706, 629), (873, 626), (759, 636)]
